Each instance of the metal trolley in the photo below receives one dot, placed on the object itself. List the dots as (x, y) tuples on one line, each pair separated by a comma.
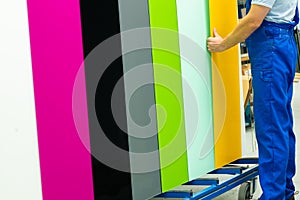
[(241, 172)]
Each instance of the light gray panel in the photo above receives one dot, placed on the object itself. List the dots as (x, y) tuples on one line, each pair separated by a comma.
[(140, 99)]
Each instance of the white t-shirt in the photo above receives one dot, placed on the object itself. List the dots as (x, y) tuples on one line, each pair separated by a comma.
[(282, 11)]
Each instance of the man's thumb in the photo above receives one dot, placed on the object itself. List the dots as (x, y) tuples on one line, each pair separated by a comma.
[(216, 33)]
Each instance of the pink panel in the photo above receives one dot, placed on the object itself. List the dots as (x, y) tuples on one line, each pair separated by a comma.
[(57, 54)]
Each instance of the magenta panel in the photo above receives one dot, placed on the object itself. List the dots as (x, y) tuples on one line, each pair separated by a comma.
[(57, 54)]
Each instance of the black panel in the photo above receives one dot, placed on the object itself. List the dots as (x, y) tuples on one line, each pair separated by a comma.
[(100, 20)]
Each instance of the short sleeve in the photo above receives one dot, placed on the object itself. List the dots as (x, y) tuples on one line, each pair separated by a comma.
[(266, 3)]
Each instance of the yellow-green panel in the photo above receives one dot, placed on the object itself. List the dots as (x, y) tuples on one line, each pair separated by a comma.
[(168, 93), (226, 86)]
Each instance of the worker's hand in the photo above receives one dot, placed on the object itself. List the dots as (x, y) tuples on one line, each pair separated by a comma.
[(215, 43)]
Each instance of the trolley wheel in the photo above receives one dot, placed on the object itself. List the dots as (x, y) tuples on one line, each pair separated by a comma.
[(244, 192)]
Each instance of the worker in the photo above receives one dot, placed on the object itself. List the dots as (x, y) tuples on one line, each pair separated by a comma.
[(268, 31)]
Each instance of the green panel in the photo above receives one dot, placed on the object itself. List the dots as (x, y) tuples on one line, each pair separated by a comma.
[(193, 23), (168, 93)]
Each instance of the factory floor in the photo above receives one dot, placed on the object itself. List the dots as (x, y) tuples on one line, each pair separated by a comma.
[(251, 144)]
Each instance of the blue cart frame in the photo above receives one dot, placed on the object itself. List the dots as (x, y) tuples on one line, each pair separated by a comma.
[(245, 174)]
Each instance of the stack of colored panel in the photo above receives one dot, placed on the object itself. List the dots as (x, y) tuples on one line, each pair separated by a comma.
[(129, 103)]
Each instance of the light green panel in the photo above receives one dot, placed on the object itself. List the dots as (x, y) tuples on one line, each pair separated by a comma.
[(168, 93), (193, 23)]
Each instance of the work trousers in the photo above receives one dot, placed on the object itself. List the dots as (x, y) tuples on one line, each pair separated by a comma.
[(272, 51)]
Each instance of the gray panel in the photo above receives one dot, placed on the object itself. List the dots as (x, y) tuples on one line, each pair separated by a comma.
[(140, 99)]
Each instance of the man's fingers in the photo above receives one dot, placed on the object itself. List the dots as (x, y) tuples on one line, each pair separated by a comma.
[(209, 46), (210, 39), (210, 49)]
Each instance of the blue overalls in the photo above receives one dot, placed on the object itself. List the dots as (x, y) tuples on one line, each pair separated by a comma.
[(272, 51)]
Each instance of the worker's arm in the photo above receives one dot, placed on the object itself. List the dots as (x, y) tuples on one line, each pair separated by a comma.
[(247, 25)]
